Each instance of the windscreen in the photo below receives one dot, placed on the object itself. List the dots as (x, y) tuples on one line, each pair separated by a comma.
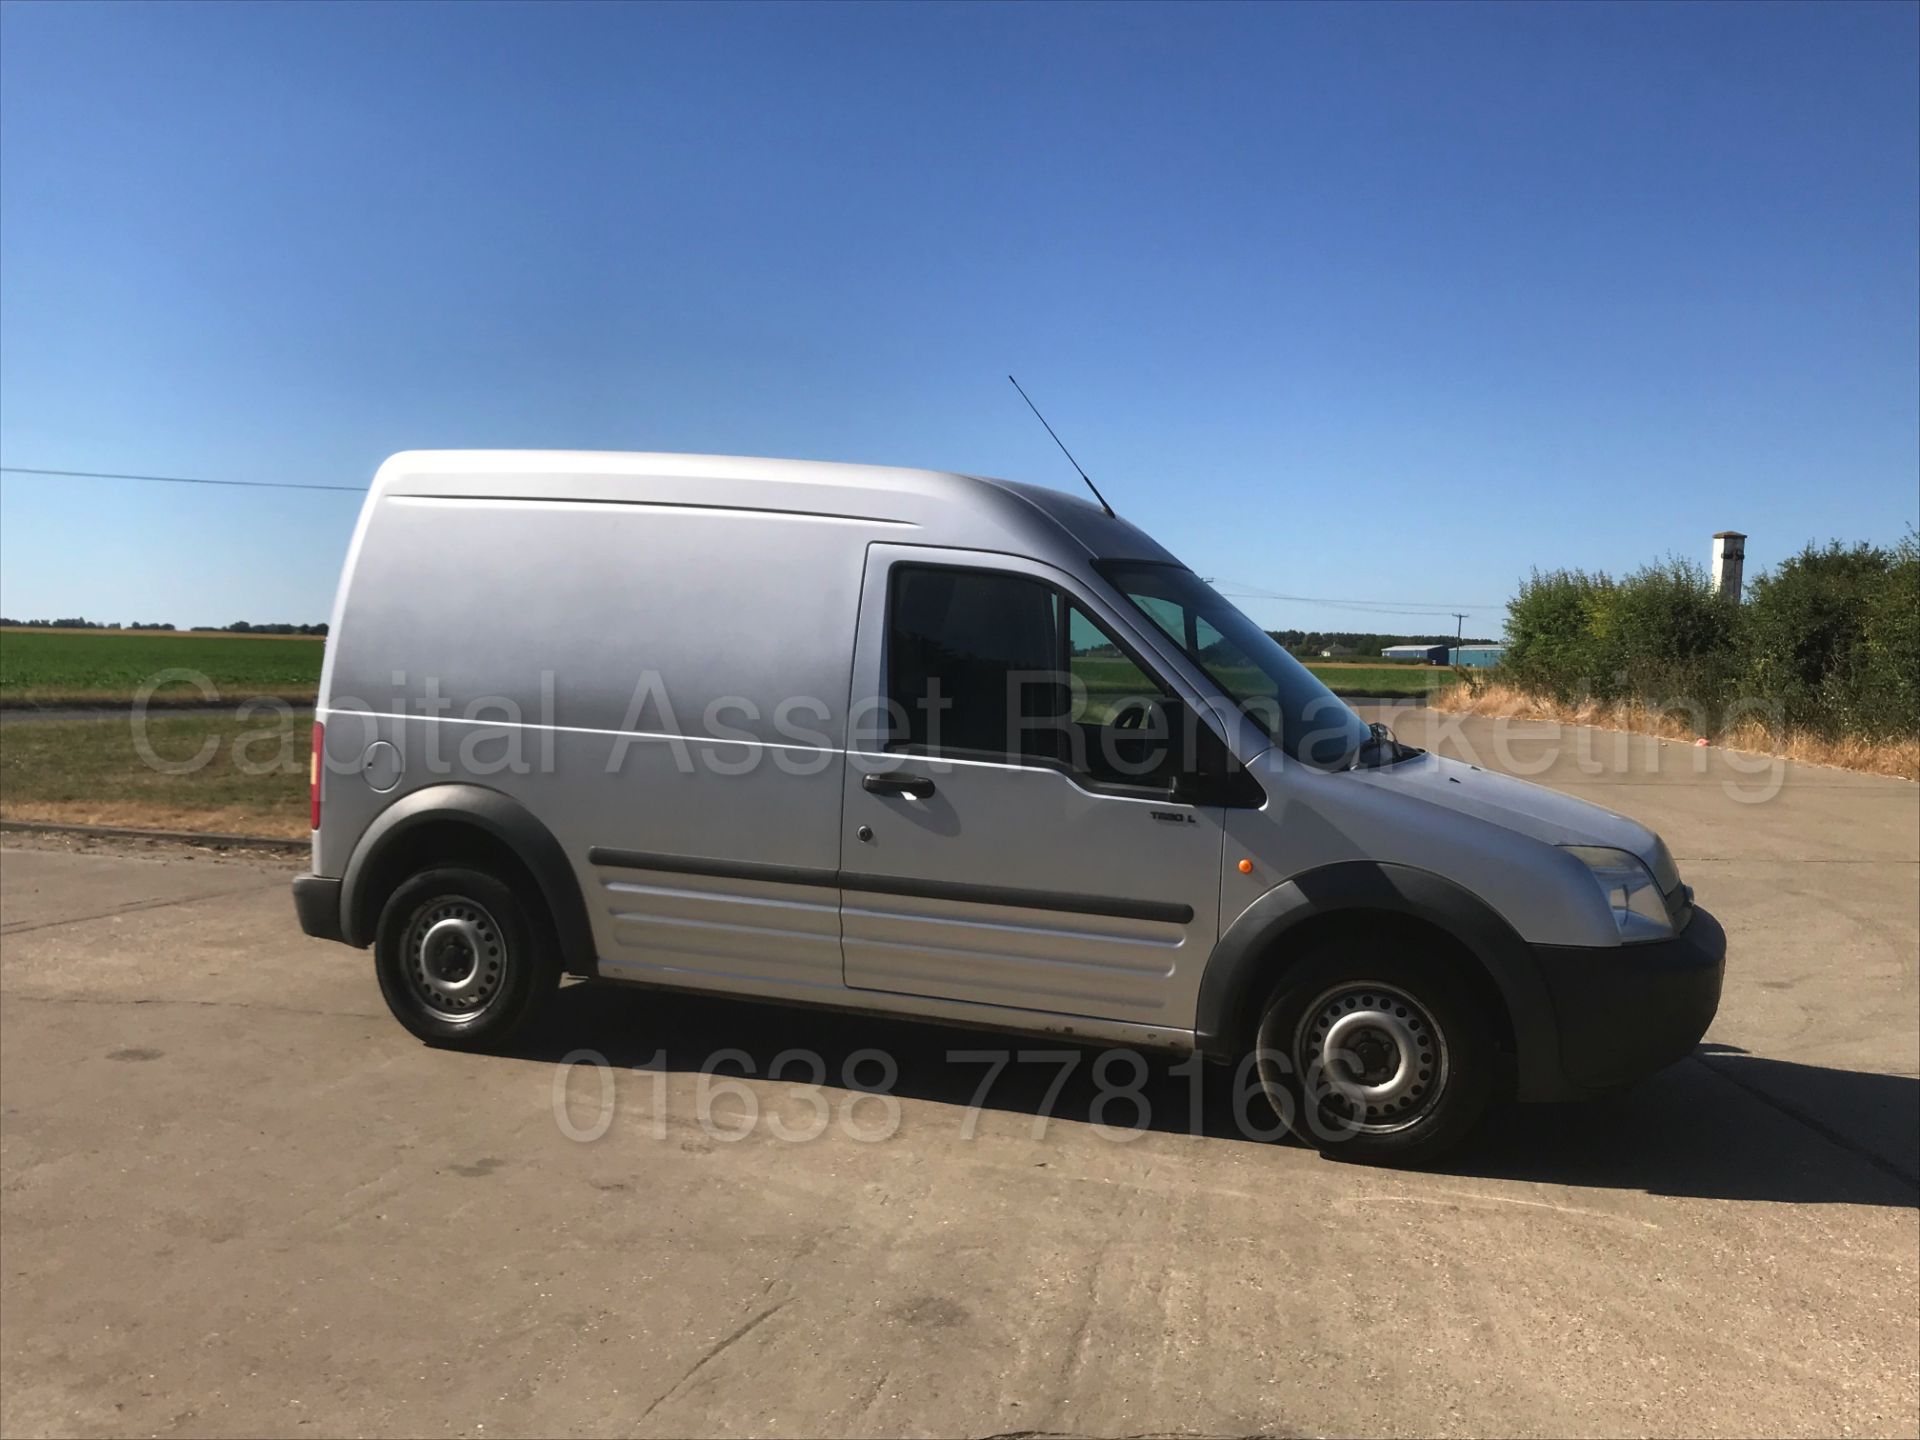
[(1307, 720)]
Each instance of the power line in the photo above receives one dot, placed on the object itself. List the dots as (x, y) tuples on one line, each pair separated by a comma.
[(1239, 589), (1442, 606), (183, 480), (1365, 607), (1385, 607), (1379, 612)]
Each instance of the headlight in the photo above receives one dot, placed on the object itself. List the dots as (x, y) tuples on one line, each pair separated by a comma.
[(1632, 894)]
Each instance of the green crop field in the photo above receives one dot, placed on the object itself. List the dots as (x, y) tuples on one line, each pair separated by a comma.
[(1109, 680), (52, 667), (1383, 679)]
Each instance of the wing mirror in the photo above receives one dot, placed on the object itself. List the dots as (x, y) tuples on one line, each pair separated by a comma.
[(1209, 774), (1235, 788)]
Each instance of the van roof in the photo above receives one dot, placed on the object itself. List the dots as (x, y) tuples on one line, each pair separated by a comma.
[(956, 509)]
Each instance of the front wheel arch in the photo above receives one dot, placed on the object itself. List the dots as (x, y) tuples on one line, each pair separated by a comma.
[(1426, 911), (1409, 934)]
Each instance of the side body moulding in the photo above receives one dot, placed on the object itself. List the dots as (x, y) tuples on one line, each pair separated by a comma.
[(1135, 909)]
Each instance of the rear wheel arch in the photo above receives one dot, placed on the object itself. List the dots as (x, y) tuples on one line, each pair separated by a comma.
[(468, 825), (1428, 913)]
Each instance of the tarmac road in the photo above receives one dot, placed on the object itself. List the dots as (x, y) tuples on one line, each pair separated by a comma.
[(235, 1198)]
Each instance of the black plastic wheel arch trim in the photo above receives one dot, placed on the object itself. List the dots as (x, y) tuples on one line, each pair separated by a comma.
[(497, 815), (1253, 953)]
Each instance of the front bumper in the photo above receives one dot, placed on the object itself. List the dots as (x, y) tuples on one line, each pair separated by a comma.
[(316, 899), (1625, 1011)]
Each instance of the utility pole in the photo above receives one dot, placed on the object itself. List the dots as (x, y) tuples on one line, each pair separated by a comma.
[(1459, 620)]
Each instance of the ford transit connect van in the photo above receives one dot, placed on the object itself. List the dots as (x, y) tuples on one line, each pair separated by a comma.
[(950, 748)]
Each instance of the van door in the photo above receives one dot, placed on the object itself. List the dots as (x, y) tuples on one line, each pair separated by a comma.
[(1008, 833)]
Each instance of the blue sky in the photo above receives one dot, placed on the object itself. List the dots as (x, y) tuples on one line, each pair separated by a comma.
[(1362, 302)]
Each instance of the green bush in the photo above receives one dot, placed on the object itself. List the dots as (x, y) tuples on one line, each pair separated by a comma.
[(1658, 635), (1674, 640), (1829, 640), (1832, 639), (1555, 632), (1889, 693)]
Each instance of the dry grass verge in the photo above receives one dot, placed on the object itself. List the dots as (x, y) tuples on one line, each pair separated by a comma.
[(215, 774), (212, 820), (1875, 757)]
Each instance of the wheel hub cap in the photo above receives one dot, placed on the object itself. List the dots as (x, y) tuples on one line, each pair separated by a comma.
[(450, 954), (1381, 1061), (455, 957), (1372, 1055)]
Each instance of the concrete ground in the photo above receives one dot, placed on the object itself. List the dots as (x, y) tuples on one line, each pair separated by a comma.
[(236, 1198)]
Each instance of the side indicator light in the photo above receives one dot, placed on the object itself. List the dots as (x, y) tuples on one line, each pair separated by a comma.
[(1246, 867)]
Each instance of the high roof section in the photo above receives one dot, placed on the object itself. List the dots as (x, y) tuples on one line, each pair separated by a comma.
[(947, 508)]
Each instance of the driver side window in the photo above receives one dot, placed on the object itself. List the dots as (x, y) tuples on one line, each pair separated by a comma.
[(1103, 677), (985, 664)]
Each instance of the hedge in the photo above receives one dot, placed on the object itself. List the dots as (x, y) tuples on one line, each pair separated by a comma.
[(1827, 642)]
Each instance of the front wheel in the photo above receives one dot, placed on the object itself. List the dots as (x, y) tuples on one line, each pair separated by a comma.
[(463, 960), (1375, 1058)]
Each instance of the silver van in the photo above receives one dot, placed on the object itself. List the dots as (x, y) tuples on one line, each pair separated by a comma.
[(949, 748)]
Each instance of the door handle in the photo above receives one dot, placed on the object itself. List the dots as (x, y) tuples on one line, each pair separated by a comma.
[(918, 786)]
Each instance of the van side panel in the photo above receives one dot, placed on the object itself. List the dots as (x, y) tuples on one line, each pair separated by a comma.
[(642, 615), (581, 657)]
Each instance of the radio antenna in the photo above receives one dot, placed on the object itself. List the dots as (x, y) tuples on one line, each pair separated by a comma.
[(1064, 451)]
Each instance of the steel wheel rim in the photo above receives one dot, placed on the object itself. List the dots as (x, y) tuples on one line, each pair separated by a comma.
[(456, 958), (1371, 1057)]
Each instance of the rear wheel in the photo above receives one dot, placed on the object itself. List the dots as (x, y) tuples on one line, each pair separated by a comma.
[(463, 959), (1375, 1057)]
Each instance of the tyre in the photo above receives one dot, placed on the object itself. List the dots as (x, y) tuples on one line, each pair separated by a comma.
[(463, 959), (1372, 1056)]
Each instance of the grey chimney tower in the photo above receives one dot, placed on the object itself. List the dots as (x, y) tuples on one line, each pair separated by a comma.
[(1729, 560)]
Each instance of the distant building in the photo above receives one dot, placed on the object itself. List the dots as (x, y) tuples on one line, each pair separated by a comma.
[(1419, 654), (1477, 657), (1334, 652)]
